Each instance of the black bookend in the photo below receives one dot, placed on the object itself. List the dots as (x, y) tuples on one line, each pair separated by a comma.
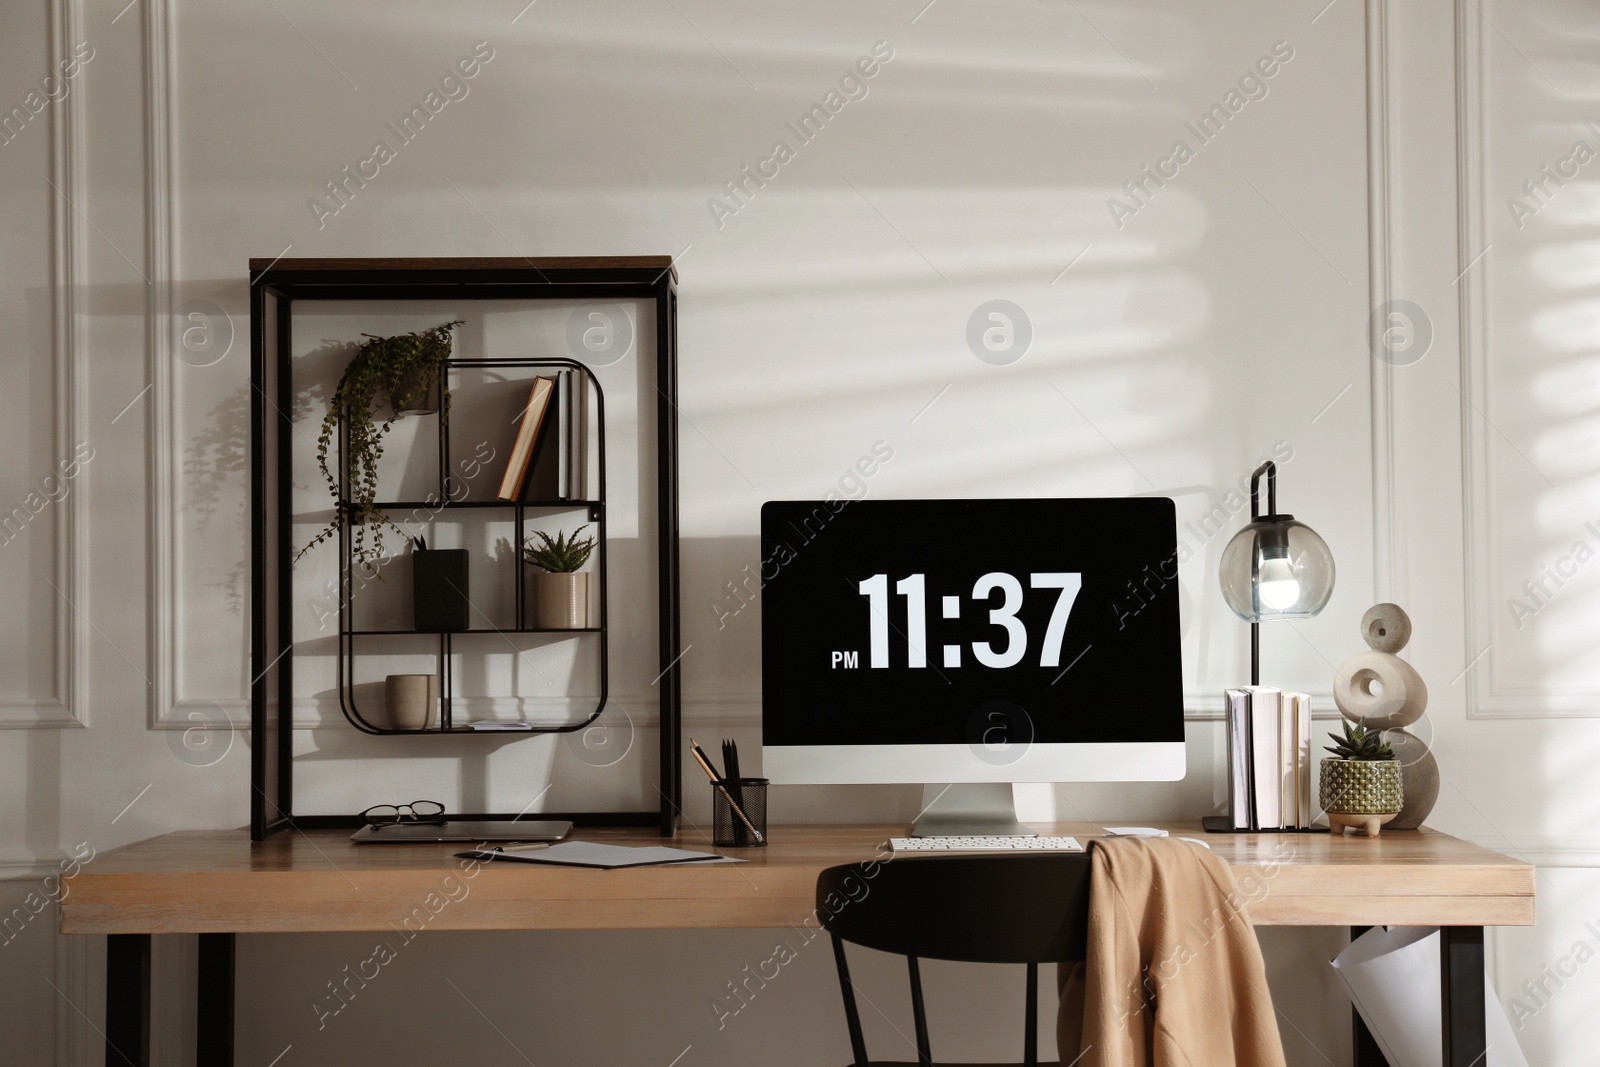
[(439, 589)]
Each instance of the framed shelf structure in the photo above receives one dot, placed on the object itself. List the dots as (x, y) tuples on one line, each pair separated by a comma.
[(275, 286), (445, 501)]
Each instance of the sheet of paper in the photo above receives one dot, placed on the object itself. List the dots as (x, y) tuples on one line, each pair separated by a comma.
[(1134, 831), (1392, 976)]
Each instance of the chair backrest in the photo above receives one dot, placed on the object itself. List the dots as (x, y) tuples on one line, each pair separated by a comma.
[(975, 909), (972, 909)]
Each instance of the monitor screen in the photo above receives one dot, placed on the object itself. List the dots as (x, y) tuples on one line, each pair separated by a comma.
[(971, 640)]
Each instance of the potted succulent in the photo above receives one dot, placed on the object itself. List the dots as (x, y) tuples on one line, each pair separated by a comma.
[(403, 373), (1361, 785), (560, 593)]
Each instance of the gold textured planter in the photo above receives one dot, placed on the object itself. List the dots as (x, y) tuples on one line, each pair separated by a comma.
[(1360, 794), (560, 601)]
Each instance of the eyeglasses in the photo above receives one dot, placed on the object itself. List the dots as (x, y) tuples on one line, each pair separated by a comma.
[(418, 812)]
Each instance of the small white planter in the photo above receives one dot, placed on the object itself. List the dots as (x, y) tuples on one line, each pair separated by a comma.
[(560, 601)]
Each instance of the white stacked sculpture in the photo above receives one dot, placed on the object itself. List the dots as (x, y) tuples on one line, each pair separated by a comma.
[(1384, 691)]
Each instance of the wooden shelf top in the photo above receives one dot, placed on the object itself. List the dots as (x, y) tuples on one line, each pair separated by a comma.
[(219, 881), (485, 263)]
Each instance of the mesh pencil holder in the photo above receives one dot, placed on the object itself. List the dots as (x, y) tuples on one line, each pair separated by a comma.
[(727, 829)]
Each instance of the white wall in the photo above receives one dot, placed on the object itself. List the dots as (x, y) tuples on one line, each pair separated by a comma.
[(1224, 318)]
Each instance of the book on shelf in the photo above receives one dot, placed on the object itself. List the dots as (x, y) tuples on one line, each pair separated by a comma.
[(1238, 745), (577, 454), (542, 482), (1303, 759), (529, 424), (1288, 773), (1269, 759), (564, 435), (496, 725), (570, 464), (1264, 755)]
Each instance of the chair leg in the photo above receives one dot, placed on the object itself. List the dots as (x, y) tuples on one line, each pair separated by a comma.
[(852, 1018), (1030, 1034), (919, 1014)]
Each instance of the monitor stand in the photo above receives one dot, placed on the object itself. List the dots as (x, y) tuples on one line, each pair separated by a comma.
[(970, 810)]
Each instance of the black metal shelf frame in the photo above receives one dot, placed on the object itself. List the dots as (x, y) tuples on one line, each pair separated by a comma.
[(444, 501), (274, 288)]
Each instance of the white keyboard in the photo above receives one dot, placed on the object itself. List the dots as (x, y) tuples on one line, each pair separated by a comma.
[(985, 844)]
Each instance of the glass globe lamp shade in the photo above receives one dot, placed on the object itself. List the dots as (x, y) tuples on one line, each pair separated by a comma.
[(1276, 568)]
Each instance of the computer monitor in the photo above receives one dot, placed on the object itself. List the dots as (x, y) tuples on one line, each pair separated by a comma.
[(970, 644)]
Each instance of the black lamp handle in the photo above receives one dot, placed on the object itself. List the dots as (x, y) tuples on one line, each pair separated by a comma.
[(1270, 469)]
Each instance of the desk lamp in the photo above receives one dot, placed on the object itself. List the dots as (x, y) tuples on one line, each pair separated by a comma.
[(1275, 568)]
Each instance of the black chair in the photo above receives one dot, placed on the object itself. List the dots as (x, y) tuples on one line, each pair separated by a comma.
[(1029, 909)]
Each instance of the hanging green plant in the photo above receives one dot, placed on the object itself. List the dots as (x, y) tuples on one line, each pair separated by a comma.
[(404, 372)]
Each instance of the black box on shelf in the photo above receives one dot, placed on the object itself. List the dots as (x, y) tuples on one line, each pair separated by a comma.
[(439, 589)]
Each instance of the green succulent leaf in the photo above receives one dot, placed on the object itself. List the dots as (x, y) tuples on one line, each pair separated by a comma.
[(1360, 743), (560, 554)]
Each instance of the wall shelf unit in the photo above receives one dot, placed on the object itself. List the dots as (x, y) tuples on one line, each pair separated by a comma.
[(446, 499), (276, 285)]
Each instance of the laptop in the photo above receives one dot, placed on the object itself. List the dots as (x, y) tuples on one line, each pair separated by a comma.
[(473, 830)]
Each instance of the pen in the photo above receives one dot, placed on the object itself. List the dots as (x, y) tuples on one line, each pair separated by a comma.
[(705, 765)]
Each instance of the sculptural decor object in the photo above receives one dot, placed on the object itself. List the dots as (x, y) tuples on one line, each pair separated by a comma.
[(1384, 692)]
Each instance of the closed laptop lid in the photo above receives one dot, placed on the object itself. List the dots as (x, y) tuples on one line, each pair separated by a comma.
[(473, 830)]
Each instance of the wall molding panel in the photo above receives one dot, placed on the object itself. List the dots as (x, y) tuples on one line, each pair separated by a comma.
[(1568, 851), (68, 265), (1486, 697), (163, 457), (1387, 557), (171, 708)]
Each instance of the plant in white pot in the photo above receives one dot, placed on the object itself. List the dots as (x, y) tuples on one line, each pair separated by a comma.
[(560, 591), (1361, 785)]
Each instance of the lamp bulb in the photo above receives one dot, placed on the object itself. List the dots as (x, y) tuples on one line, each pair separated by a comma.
[(1279, 587)]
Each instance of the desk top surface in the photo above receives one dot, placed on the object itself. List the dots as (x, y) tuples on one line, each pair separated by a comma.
[(218, 881)]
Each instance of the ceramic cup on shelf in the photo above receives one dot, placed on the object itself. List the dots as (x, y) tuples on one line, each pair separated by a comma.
[(411, 700)]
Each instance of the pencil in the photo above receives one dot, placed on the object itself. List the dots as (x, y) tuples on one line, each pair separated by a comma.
[(705, 765)]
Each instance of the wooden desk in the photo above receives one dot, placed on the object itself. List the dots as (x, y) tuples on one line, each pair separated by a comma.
[(217, 884)]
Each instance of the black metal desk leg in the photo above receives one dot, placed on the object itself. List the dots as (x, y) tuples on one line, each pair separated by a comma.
[(213, 1038), (1461, 986), (128, 1000), (1365, 1051)]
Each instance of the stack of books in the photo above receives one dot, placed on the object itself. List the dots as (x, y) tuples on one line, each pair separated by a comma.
[(547, 459), (1269, 759)]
